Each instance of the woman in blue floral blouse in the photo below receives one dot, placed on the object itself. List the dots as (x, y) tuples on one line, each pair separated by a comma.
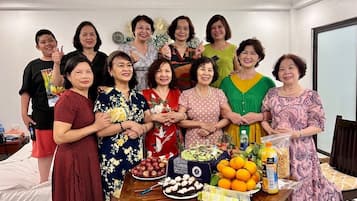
[(121, 144)]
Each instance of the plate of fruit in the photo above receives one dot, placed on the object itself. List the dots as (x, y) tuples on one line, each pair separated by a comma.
[(181, 187), (152, 168)]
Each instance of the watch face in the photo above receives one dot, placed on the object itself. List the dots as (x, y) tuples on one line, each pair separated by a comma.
[(118, 37)]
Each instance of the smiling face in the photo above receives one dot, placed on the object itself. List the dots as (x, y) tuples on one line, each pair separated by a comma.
[(81, 76), (142, 31), (248, 58), (88, 37), (218, 31), (182, 31), (163, 75), (205, 74), (121, 70), (46, 44), (288, 72)]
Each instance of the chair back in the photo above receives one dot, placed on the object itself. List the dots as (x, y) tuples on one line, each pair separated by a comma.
[(344, 146)]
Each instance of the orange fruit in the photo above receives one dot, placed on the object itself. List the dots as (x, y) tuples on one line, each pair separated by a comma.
[(224, 183), (250, 166), (256, 177), (243, 174), (228, 172), (237, 162), (221, 164), (251, 184), (239, 185)]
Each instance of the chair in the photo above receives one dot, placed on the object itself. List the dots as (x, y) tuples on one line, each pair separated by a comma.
[(344, 151)]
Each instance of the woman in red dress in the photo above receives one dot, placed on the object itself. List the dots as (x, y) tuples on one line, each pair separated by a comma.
[(76, 174), (162, 98)]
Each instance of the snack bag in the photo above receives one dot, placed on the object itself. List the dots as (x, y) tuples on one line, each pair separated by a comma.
[(281, 143)]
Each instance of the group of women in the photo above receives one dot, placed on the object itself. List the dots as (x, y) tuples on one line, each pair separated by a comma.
[(132, 103)]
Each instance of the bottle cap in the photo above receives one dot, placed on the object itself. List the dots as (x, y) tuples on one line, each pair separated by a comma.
[(268, 144)]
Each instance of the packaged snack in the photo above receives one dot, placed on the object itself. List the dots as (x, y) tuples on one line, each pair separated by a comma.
[(281, 143)]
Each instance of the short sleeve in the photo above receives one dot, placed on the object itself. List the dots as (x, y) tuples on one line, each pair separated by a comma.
[(26, 80), (266, 101), (221, 97), (64, 110), (315, 114), (183, 100), (99, 103)]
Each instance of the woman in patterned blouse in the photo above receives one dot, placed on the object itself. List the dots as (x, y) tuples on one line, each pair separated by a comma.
[(121, 144)]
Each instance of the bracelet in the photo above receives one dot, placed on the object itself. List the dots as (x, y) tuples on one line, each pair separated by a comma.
[(121, 126), (300, 133), (184, 116)]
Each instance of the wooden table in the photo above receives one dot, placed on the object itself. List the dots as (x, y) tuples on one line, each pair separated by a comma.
[(131, 184)]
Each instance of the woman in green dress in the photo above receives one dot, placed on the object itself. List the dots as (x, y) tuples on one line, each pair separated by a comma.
[(245, 91), (219, 49)]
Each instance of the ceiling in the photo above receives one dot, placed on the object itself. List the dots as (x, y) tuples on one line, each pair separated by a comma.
[(153, 4)]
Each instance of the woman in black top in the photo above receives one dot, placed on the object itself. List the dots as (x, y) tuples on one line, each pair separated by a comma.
[(87, 42)]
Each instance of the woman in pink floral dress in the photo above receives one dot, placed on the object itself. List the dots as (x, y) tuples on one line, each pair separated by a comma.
[(299, 111), (203, 105), (162, 98)]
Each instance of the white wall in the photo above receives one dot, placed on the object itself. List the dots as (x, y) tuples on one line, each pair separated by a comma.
[(319, 14), (19, 26)]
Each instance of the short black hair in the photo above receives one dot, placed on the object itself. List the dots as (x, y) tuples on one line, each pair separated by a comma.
[(110, 80), (173, 26), (155, 66), (144, 18), (76, 41), (42, 32), (299, 62), (257, 45), (199, 62), (70, 65), (213, 20)]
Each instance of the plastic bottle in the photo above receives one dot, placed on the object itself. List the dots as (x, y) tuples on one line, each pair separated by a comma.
[(2, 134), (244, 141), (270, 169)]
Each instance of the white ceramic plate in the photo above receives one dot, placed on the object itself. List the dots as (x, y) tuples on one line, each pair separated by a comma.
[(251, 192), (180, 198), (148, 178)]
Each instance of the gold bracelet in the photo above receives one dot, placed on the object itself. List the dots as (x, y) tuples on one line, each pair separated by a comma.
[(300, 133)]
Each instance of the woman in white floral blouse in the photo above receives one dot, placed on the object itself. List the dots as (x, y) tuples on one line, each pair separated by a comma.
[(121, 144)]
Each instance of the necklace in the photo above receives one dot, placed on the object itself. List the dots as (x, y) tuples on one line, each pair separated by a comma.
[(202, 95)]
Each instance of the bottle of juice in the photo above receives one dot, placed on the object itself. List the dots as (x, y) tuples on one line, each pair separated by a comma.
[(270, 169)]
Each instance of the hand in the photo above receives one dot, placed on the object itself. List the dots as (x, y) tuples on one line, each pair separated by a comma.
[(57, 55), (202, 132), (131, 134), (27, 120), (198, 51), (134, 56), (132, 126), (236, 118), (166, 51), (161, 118), (102, 120), (209, 127), (174, 117), (252, 117)]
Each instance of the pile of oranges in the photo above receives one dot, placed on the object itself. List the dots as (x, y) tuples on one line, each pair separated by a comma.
[(238, 174)]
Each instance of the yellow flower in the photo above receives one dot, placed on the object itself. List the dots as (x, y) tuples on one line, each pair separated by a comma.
[(117, 114), (120, 142)]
